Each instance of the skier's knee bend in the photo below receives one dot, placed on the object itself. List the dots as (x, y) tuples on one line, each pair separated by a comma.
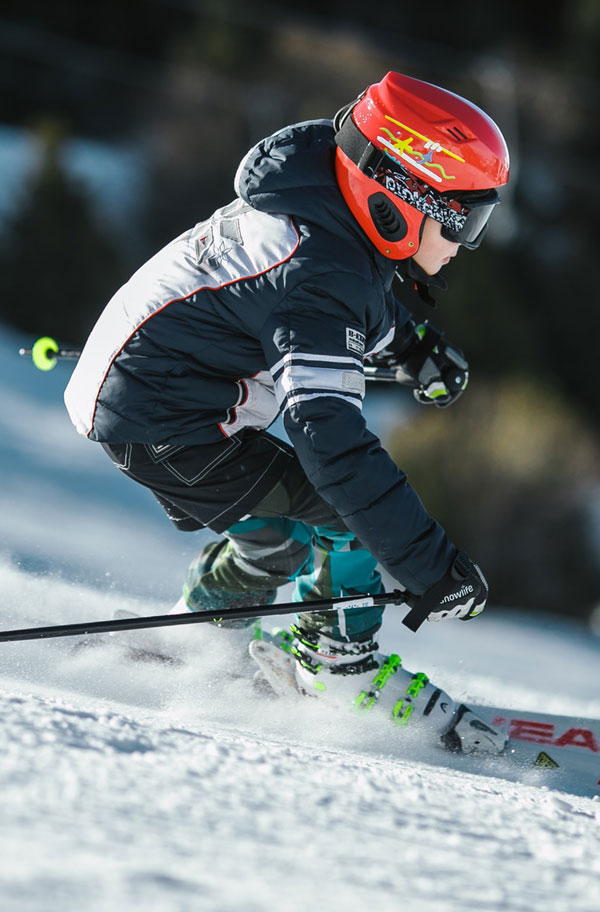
[(335, 539), (214, 582), (276, 547), (255, 557)]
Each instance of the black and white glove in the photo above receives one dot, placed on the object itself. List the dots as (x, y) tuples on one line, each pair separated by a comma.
[(437, 370), (461, 593)]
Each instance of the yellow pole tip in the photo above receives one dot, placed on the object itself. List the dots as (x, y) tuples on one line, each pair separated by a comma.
[(43, 353)]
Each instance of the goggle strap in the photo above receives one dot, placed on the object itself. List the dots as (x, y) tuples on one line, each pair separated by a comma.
[(357, 147)]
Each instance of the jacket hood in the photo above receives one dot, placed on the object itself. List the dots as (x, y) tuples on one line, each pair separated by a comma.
[(292, 173)]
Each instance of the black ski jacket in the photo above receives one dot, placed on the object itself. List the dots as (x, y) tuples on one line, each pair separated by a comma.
[(268, 306)]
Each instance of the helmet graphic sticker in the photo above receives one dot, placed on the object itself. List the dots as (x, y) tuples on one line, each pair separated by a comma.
[(398, 147)]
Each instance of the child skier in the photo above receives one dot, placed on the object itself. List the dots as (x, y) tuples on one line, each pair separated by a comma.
[(272, 305)]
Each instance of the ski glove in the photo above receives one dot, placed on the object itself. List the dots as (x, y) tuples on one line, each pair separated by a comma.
[(437, 370), (461, 593)]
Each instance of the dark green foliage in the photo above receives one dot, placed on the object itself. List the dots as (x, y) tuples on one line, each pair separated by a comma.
[(57, 267), (511, 472)]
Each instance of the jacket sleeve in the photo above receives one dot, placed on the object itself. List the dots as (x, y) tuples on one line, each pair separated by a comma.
[(314, 345)]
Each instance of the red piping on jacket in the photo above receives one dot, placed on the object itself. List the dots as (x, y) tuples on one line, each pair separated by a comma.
[(184, 298)]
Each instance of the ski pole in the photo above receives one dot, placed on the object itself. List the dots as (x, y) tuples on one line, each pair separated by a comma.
[(172, 620), (388, 374), (45, 353)]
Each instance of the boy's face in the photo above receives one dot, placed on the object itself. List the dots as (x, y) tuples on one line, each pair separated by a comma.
[(434, 250)]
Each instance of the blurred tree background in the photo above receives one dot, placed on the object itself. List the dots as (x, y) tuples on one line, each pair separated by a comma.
[(182, 88)]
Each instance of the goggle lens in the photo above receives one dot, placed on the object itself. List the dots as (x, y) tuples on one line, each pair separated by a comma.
[(464, 218), (474, 227)]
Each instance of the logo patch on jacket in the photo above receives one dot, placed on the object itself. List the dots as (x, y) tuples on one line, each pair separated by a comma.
[(355, 340)]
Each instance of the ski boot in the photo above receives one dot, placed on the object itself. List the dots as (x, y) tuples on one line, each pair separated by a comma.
[(356, 675)]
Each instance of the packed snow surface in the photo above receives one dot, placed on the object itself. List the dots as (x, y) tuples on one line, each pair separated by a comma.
[(130, 786)]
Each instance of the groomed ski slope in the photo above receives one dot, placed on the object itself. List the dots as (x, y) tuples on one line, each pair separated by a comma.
[(132, 786), (127, 786)]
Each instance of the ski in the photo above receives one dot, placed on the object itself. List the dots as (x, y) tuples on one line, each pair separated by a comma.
[(564, 749), (147, 650)]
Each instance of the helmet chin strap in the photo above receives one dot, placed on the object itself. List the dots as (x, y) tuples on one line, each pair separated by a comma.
[(409, 269)]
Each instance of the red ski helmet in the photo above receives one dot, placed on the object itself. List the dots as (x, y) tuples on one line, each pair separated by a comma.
[(406, 150)]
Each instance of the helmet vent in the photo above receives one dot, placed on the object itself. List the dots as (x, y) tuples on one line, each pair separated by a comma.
[(386, 217), (457, 134)]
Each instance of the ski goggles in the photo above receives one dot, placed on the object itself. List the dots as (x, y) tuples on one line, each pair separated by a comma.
[(463, 217)]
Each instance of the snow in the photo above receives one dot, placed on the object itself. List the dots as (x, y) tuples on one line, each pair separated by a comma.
[(135, 786)]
